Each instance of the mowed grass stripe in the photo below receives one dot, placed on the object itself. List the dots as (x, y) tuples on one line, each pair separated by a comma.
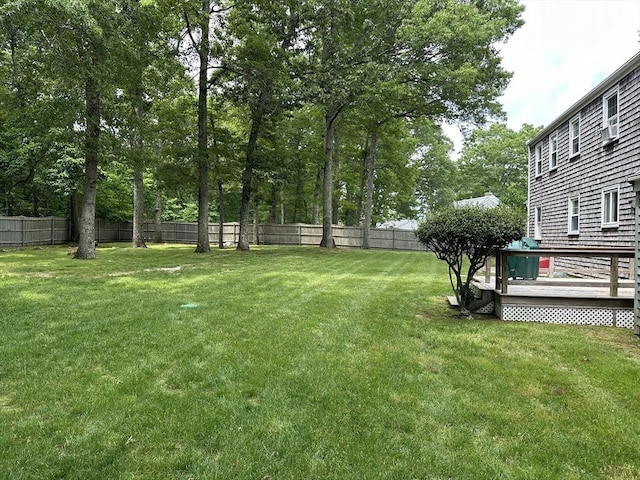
[(294, 363)]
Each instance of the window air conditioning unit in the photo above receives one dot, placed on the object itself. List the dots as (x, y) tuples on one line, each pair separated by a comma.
[(609, 134)]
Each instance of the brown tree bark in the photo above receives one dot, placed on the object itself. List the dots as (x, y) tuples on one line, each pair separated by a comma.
[(138, 175), (220, 214), (157, 236), (87, 241), (203, 48), (371, 173), (250, 163), (327, 210)]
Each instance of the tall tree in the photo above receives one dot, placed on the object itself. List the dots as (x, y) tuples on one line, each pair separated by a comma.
[(145, 46), (495, 159), (338, 51), (439, 63), (264, 33), (199, 16), (80, 39)]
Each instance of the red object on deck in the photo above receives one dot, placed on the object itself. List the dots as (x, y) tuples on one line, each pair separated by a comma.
[(544, 262)]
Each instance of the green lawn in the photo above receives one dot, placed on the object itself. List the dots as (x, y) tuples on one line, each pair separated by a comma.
[(295, 363)]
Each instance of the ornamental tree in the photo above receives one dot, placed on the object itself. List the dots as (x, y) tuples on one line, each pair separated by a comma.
[(471, 232)]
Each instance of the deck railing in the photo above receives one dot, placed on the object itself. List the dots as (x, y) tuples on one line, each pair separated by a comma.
[(613, 254)]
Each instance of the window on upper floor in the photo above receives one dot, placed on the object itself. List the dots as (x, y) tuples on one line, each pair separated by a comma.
[(574, 136), (538, 159), (574, 215), (610, 116), (537, 224), (610, 207), (553, 151)]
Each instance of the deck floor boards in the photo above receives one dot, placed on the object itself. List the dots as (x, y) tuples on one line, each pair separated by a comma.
[(540, 289)]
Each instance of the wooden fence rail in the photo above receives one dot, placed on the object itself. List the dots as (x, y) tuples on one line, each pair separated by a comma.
[(29, 231), (613, 254)]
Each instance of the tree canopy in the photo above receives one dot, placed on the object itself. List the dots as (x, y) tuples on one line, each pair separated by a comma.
[(293, 111), (495, 159)]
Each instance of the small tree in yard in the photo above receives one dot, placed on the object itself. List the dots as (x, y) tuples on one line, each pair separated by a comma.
[(474, 232)]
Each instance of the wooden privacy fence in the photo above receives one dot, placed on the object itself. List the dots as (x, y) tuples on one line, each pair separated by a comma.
[(27, 231)]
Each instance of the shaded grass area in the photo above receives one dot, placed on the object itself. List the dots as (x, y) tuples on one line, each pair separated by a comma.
[(291, 363)]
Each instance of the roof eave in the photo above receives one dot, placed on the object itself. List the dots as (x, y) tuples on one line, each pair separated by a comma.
[(600, 89)]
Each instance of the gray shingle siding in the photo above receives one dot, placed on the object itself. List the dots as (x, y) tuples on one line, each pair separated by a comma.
[(595, 169)]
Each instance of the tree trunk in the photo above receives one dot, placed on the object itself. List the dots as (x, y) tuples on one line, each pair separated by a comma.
[(337, 185), (137, 240), (371, 173), (281, 207), (273, 209), (363, 182), (203, 139), (157, 236), (220, 214), (327, 211), (75, 216), (87, 241), (315, 208), (299, 199), (256, 222), (250, 161)]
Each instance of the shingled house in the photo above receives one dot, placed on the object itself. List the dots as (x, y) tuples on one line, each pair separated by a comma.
[(580, 165)]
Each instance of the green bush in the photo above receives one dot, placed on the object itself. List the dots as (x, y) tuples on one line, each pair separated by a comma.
[(471, 232)]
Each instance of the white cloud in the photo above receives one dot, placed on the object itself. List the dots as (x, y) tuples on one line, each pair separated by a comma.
[(565, 48)]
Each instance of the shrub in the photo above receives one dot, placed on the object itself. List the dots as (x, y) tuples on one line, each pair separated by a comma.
[(472, 232)]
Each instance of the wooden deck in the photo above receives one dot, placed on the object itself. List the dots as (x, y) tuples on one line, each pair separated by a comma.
[(562, 288), (560, 301)]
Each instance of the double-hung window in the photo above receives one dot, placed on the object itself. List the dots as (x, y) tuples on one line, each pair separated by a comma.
[(537, 224), (610, 207), (574, 136), (553, 151), (574, 215), (610, 109), (538, 159)]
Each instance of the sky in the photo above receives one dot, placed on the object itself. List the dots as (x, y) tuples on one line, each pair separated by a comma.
[(564, 49)]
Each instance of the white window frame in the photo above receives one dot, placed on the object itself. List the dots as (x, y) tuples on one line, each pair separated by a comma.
[(553, 151), (573, 137), (610, 210), (574, 201), (537, 223), (537, 155), (608, 119)]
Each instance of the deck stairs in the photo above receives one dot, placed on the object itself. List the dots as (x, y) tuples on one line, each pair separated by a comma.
[(483, 297)]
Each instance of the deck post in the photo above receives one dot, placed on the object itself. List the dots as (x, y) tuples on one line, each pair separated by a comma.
[(487, 269), (498, 269), (613, 276), (504, 271)]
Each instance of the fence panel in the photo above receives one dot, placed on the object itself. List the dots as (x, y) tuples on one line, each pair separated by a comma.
[(25, 231), (281, 234), (28, 231)]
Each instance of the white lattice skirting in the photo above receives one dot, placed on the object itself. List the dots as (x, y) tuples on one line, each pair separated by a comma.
[(489, 308), (607, 317)]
